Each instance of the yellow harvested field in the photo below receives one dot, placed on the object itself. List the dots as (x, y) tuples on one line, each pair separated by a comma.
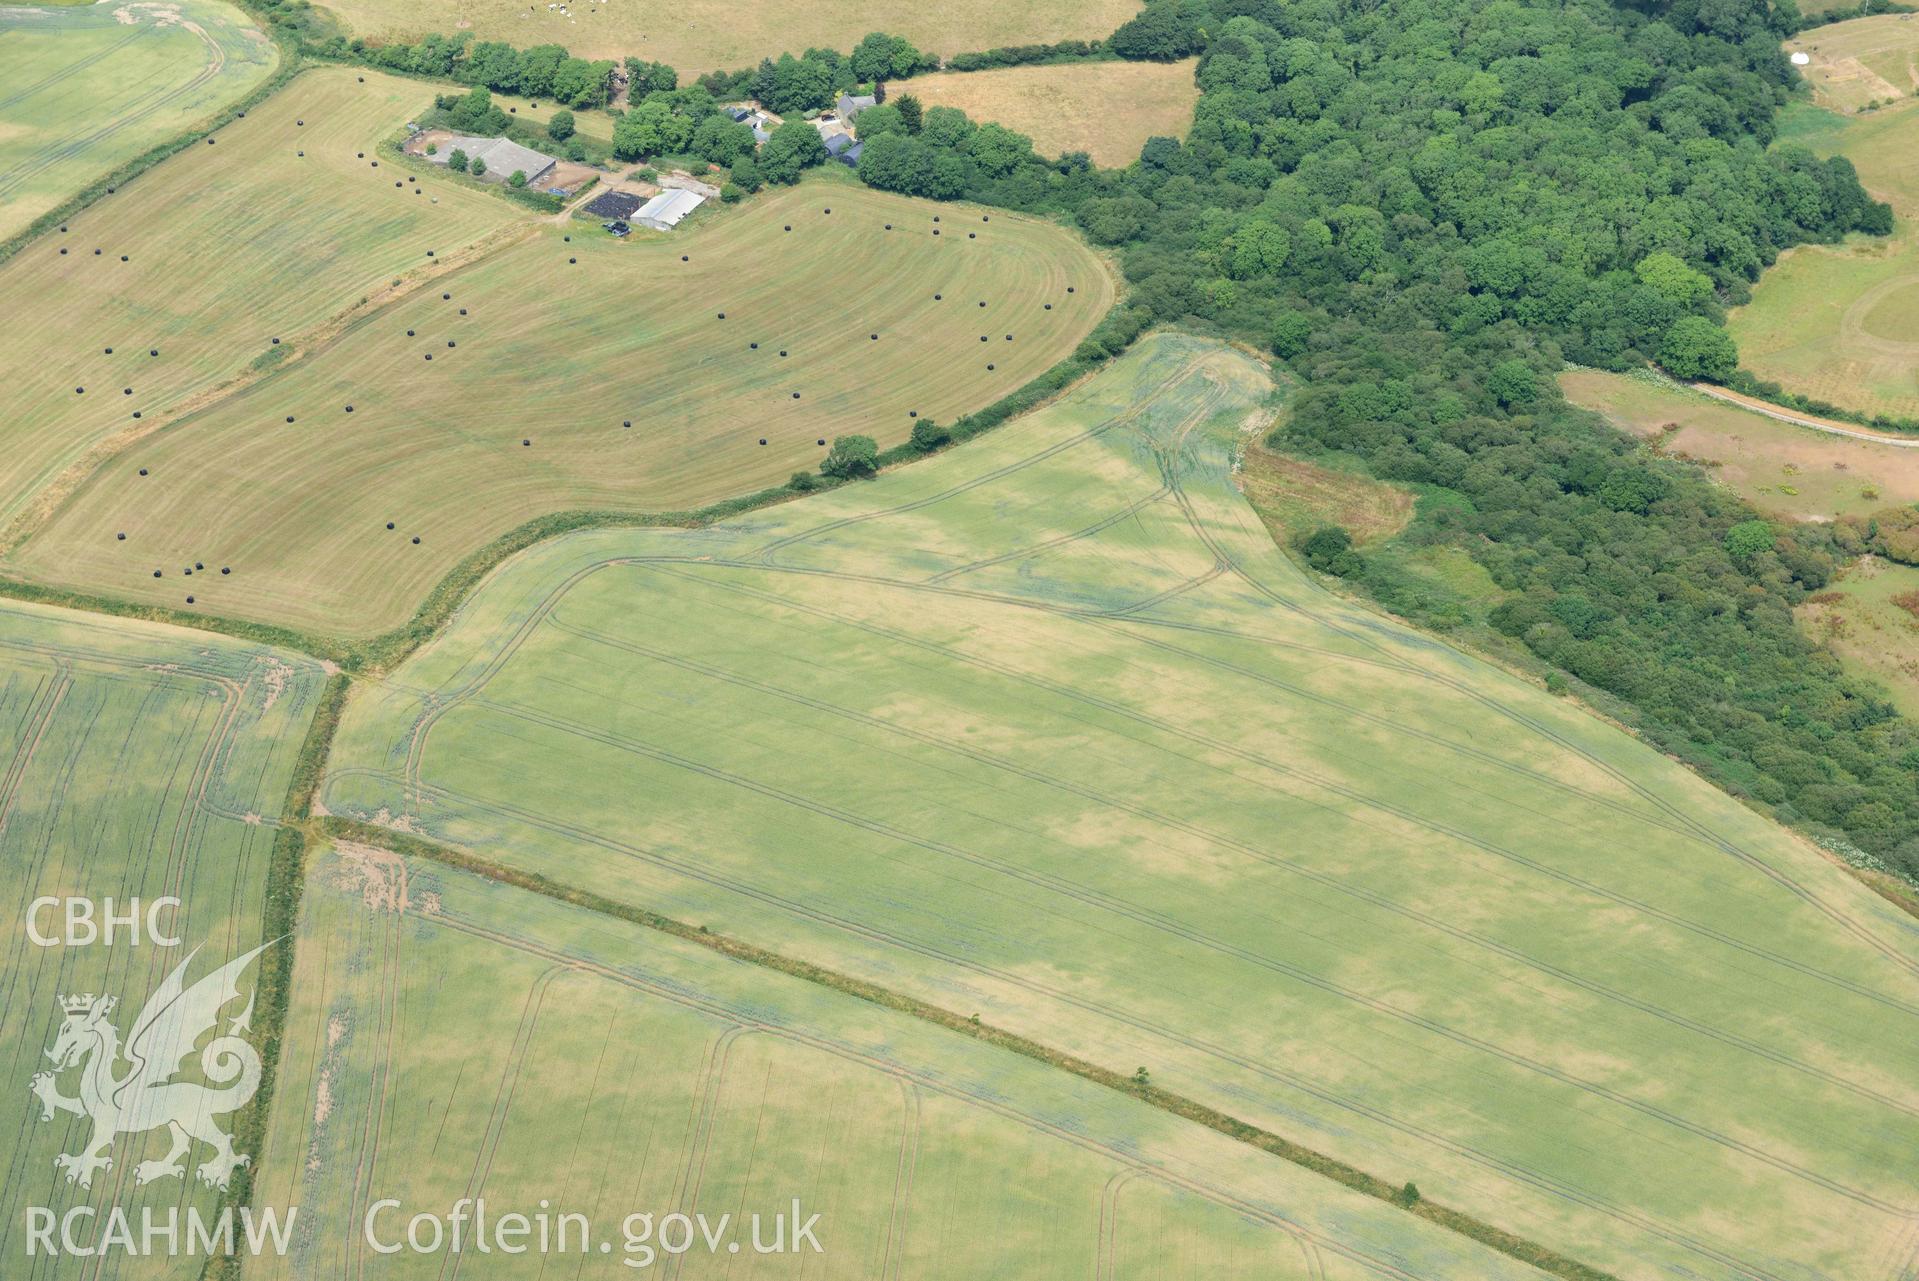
[(1106, 109), (1794, 472), (706, 35), (561, 370), (1863, 61)]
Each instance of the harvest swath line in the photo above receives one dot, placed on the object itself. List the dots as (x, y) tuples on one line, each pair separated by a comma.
[(1336, 884)]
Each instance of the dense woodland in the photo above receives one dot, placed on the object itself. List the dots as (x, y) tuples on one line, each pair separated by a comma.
[(1424, 208)]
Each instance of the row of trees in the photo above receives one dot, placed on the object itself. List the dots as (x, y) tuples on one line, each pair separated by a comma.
[(1425, 207)]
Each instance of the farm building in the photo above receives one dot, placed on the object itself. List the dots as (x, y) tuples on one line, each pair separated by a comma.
[(664, 211), (837, 144), (851, 156), (503, 158), (619, 205), (738, 115), (850, 105)]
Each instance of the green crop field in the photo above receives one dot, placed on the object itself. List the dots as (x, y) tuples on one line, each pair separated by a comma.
[(1841, 322), (88, 88), (452, 1036), (1047, 729), (139, 762), (587, 373), (1783, 470), (705, 35), (226, 247)]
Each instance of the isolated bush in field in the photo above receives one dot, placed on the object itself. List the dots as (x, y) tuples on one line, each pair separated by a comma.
[(575, 150), (851, 457), (432, 148), (476, 167), (457, 161), (560, 127), (1329, 549)]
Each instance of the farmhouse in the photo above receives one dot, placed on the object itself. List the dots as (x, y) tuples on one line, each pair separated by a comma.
[(850, 105), (664, 211), (617, 205), (503, 158)]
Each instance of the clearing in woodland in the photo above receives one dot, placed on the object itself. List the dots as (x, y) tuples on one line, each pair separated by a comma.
[(654, 375), (706, 35), (85, 89), (1046, 728), (1794, 472), (1106, 109), (139, 762), (1840, 323), (452, 1036)]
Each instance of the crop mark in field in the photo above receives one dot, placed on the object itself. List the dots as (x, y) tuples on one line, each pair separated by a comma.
[(1337, 884), (1518, 1172), (1168, 925), (988, 1101), (145, 104)]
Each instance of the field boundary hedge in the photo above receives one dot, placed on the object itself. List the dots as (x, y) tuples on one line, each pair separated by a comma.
[(1405, 1198)]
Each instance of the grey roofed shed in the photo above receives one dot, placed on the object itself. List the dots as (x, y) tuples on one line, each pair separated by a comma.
[(503, 158)]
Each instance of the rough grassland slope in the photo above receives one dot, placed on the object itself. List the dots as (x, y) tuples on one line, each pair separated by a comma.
[(702, 35), (1106, 109), (135, 762), (451, 1035), (87, 88), (226, 246), (589, 374), (1048, 729)]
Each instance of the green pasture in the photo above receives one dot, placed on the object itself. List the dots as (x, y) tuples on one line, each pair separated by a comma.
[(1841, 322), (452, 1036), (1047, 729), (559, 370), (86, 88), (139, 762)]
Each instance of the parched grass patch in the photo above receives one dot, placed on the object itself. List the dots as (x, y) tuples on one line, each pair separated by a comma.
[(141, 762), (1046, 728), (1295, 496), (202, 262), (1841, 322), (703, 35), (1106, 109), (1869, 615), (1861, 62), (84, 89), (1781, 469), (569, 371)]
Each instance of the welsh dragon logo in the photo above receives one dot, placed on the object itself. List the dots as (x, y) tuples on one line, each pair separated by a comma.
[(143, 1096)]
